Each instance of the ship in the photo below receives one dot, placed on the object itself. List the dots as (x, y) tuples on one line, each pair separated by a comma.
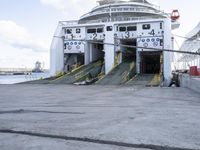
[(120, 38), (191, 44)]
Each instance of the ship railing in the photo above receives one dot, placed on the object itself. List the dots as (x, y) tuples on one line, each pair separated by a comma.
[(114, 10), (71, 22), (153, 6), (117, 19)]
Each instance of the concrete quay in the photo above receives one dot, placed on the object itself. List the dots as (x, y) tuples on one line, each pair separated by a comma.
[(59, 117)]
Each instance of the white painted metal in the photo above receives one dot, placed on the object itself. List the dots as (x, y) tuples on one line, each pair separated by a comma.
[(191, 44), (56, 52), (109, 49), (167, 56), (152, 30)]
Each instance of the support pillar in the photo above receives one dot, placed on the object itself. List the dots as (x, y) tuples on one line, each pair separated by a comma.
[(167, 56), (138, 61), (87, 53), (109, 50)]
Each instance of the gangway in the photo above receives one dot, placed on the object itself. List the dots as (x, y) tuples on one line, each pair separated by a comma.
[(119, 74), (88, 71), (145, 80)]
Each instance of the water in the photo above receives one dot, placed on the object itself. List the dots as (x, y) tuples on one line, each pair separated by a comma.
[(12, 79)]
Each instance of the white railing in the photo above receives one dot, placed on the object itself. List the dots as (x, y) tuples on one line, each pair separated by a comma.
[(115, 10), (71, 22), (128, 3), (118, 19)]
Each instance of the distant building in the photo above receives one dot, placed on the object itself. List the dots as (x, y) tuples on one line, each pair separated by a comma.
[(191, 44), (102, 32), (38, 67)]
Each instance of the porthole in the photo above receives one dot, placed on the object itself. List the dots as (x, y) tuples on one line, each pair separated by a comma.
[(157, 39)]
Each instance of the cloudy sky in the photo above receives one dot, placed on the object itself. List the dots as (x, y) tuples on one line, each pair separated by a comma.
[(27, 26)]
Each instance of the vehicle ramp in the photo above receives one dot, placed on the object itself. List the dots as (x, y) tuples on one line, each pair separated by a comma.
[(80, 74), (119, 75), (145, 80)]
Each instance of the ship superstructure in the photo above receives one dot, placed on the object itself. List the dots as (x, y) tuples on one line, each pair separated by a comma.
[(116, 31), (191, 44)]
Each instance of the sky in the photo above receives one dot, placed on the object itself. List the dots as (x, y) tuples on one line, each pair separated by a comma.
[(27, 26)]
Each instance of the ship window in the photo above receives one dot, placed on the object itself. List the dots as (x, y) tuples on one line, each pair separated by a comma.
[(91, 30), (126, 19), (120, 19), (122, 29), (99, 30), (113, 9), (109, 28), (119, 9), (132, 28), (65, 46), (161, 25), (146, 26), (78, 30), (161, 42), (68, 31), (126, 9), (117, 28)]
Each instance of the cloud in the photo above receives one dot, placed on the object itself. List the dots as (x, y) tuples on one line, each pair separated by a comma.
[(71, 8), (18, 37), (18, 48), (13, 57)]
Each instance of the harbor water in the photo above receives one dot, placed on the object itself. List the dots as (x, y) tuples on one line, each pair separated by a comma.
[(13, 79)]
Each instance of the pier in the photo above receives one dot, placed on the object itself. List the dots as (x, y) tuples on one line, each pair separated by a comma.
[(95, 118), (15, 71)]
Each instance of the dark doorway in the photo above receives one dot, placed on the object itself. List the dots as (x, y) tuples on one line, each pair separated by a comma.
[(128, 53), (72, 61), (80, 59), (150, 63), (97, 51)]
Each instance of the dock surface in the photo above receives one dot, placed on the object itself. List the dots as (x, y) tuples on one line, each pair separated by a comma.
[(60, 117)]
